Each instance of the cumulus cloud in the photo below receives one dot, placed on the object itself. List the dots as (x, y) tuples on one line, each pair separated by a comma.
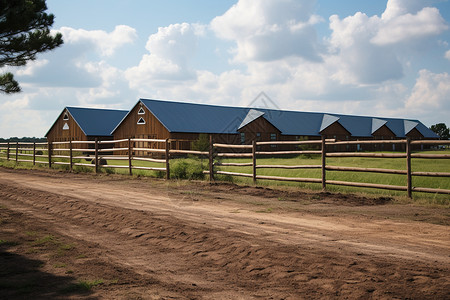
[(105, 43), (369, 50), (447, 55), (431, 93), (67, 66), (270, 30), (171, 50), (427, 22)]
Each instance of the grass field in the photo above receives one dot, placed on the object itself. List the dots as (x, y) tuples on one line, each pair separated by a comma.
[(191, 168)]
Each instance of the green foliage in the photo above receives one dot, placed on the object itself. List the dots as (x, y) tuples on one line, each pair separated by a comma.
[(441, 130), (202, 144), (24, 32), (82, 285), (187, 169)]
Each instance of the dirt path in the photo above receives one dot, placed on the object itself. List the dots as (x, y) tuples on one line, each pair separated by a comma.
[(147, 239)]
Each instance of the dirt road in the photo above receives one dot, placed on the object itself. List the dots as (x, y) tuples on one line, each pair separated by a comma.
[(149, 239)]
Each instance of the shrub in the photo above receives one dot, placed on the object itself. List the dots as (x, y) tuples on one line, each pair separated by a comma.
[(187, 169)]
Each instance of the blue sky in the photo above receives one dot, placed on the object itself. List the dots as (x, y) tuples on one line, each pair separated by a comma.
[(378, 58)]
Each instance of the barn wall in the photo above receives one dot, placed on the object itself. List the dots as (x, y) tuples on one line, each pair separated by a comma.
[(58, 134), (336, 131), (259, 126), (152, 129)]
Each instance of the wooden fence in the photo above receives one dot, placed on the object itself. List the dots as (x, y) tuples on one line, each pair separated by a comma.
[(97, 154)]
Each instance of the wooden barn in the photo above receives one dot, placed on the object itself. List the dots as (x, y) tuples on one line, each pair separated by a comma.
[(84, 124), (185, 122)]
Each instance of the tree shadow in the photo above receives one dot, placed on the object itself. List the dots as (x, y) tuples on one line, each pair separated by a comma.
[(22, 278)]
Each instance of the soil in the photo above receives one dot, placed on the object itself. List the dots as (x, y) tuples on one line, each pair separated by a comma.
[(85, 236)]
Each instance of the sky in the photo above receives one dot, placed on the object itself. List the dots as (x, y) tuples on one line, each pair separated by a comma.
[(380, 58)]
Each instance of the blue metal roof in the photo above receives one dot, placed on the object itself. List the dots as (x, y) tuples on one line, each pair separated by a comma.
[(95, 121), (201, 118)]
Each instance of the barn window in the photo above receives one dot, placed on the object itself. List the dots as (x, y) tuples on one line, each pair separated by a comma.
[(66, 117), (141, 121), (141, 111), (242, 137), (66, 126), (273, 137), (258, 136)]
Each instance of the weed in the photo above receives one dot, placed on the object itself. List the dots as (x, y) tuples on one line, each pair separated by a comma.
[(8, 243), (82, 285), (44, 240), (267, 210)]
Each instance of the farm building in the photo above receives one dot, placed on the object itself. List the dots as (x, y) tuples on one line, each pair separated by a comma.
[(84, 124), (184, 122)]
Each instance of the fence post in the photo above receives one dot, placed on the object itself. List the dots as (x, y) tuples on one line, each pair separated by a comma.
[(130, 166), (7, 151), (254, 160), (17, 150), (71, 155), (324, 154), (167, 159), (211, 159), (408, 167), (34, 153), (96, 155), (49, 150)]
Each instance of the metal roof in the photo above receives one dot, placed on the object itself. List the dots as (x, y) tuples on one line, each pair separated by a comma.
[(95, 121), (202, 118)]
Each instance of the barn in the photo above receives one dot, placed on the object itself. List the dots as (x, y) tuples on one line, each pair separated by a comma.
[(184, 122), (84, 124)]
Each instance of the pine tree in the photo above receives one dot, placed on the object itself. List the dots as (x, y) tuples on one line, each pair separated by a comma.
[(24, 32)]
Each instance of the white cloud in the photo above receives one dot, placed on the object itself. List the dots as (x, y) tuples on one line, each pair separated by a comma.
[(67, 66), (270, 30), (371, 50), (431, 93), (447, 55), (427, 22), (171, 50), (105, 43)]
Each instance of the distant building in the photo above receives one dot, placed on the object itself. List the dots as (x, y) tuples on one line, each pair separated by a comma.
[(84, 124), (184, 122)]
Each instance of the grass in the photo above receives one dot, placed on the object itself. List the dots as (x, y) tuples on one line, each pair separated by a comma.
[(82, 286), (418, 164), (191, 168)]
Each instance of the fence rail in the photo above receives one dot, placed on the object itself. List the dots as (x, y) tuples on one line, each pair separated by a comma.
[(115, 149)]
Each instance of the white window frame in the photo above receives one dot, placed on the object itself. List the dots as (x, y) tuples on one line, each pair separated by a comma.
[(141, 123)]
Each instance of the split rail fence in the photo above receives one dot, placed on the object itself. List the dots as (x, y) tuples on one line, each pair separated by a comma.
[(65, 153)]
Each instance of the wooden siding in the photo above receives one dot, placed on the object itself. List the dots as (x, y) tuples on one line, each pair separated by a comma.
[(336, 131), (129, 127), (384, 133), (74, 133), (259, 126)]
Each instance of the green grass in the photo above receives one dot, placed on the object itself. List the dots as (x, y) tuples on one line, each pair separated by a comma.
[(82, 286), (418, 164)]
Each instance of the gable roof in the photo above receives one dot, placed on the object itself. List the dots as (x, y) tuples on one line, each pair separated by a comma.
[(205, 118), (94, 121), (251, 116)]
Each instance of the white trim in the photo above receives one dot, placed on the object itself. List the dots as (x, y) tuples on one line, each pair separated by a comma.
[(66, 126), (141, 121), (141, 111), (66, 116)]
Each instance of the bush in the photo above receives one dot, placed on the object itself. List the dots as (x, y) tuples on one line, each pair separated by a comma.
[(187, 169)]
